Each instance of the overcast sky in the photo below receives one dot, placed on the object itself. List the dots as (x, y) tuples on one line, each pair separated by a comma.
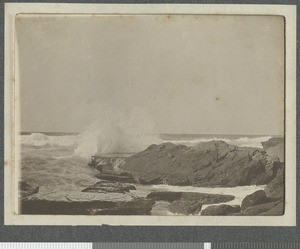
[(187, 74)]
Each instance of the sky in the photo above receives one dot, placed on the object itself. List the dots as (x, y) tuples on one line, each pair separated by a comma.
[(192, 74)]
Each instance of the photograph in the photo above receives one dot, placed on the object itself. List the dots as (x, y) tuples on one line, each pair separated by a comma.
[(158, 115)]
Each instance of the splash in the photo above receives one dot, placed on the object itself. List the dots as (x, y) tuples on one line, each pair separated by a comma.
[(115, 132)]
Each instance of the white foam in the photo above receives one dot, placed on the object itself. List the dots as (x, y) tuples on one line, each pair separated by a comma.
[(40, 139)]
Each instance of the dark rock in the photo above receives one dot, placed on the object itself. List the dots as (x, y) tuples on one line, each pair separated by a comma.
[(27, 190), (151, 180), (260, 209), (116, 177), (221, 210), (276, 210), (275, 189), (106, 163), (185, 207), (75, 203), (138, 206), (253, 199), (272, 142), (209, 164), (190, 196), (109, 187)]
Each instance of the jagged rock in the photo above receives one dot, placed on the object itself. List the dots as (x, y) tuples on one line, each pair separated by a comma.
[(190, 196), (209, 164), (116, 177), (221, 210), (258, 197), (26, 190), (138, 206), (108, 187), (185, 207)]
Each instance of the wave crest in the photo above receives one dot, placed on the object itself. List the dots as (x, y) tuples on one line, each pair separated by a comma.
[(40, 140)]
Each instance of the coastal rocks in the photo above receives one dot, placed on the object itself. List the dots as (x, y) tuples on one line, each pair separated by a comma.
[(27, 190), (208, 164), (151, 180), (277, 151), (107, 163), (86, 203), (221, 210), (275, 189), (138, 206), (109, 187), (253, 199), (272, 142), (116, 177), (185, 207), (261, 209)]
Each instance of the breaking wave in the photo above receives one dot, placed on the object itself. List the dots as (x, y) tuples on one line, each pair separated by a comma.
[(40, 139), (255, 142), (114, 132)]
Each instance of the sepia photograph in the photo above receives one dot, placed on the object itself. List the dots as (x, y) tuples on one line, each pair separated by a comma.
[(150, 115)]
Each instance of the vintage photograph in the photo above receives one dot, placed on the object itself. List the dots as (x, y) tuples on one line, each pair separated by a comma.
[(161, 115)]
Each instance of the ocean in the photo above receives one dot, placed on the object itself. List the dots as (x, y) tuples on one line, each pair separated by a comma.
[(58, 161)]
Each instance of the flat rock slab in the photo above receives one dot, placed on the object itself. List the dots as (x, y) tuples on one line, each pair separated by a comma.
[(71, 203), (109, 187), (197, 197)]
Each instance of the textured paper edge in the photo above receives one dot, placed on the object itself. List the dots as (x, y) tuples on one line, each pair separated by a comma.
[(11, 120)]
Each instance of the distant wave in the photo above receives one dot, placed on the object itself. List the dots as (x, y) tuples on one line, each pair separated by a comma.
[(241, 142), (40, 139)]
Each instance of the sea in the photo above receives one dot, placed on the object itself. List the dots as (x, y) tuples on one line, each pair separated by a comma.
[(58, 161)]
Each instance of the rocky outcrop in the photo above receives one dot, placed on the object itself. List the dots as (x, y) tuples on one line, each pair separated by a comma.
[(190, 196), (116, 177), (272, 142), (209, 164), (109, 187), (221, 210), (258, 197), (185, 207), (26, 189)]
